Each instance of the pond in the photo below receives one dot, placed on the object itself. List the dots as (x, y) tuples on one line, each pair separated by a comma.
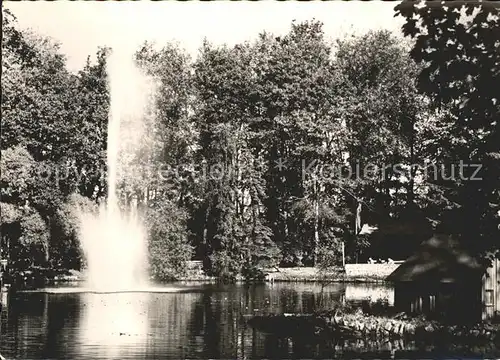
[(204, 322)]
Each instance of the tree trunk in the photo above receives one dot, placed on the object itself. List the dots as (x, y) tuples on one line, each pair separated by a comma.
[(316, 221), (47, 246), (205, 226), (411, 183)]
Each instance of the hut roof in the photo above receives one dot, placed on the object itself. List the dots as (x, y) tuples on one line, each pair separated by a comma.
[(438, 259)]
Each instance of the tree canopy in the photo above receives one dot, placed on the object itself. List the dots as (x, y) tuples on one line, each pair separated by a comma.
[(457, 45)]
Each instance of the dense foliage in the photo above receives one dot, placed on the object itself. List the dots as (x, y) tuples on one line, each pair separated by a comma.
[(458, 46), (270, 150)]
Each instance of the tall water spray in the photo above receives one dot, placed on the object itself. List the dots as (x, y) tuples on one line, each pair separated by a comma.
[(113, 240)]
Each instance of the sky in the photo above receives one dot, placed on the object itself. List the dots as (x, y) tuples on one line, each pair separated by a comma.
[(82, 26)]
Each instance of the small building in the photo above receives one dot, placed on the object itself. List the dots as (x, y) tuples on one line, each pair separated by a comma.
[(491, 290), (444, 281)]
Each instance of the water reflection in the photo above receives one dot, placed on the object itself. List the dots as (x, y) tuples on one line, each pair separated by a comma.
[(113, 325), (194, 325), (151, 325), (370, 292)]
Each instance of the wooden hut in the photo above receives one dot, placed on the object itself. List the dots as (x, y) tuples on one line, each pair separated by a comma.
[(443, 280), (490, 294)]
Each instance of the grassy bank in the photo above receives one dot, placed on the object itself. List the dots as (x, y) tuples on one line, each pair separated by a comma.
[(299, 274), (295, 274), (311, 274)]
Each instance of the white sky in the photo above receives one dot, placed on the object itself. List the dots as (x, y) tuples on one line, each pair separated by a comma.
[(82, 26)]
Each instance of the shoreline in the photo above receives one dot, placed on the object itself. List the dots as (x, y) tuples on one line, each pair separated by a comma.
[(238, 281), (296, 280), (360, 275)]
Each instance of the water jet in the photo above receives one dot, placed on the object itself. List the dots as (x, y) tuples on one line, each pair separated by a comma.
[(114, 240)]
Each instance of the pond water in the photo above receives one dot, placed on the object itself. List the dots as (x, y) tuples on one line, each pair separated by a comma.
[(202, 322)]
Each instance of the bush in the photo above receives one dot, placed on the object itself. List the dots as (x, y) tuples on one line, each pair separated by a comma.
[(330, 262), (66, 251), (169, 250), (329, 257), (252, 273), (224, 266)]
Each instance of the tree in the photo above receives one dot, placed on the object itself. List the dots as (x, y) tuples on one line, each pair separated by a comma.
[(168, 148), (235, 233), (25, 235), (457, 45), (89, 142), (294, 114), (382, 111), (18, 171), (171, 139), (46, 142)]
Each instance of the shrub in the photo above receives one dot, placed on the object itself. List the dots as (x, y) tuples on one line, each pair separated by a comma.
[(224, 266), (252, 273), (169, 250)]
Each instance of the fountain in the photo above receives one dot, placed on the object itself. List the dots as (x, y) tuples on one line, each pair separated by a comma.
[(114, 240)]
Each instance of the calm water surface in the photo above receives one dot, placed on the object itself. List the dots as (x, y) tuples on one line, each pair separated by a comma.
[(205, 322)]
